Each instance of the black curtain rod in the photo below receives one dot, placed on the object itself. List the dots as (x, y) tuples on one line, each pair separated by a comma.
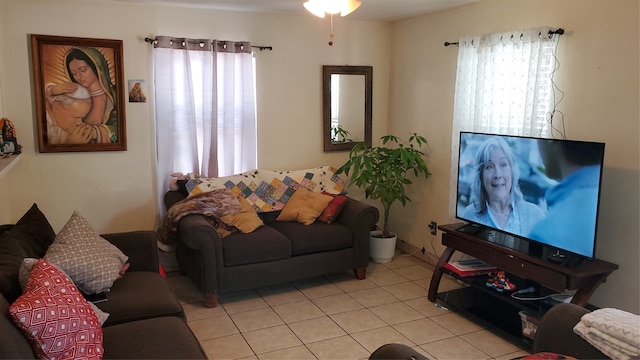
[(261, 48), (560, 31)]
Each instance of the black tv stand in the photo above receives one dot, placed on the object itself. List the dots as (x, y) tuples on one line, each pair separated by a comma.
[(530, 270), (563, 259), (471, 228)]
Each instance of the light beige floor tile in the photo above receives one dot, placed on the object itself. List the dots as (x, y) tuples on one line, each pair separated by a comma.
[(415, 272), (373, 297), (281, 294), (299, 311), (423, 331), (396, 313), (359, 320), (228, 347), (213, 327), (199, 311), (425, 307), (335, 304), (271, 339), (294, 353), (256, 319), (454, 348), (374, 267), (490, 343), (456, 323), (373, 339), (348, 283), (185, 290), (244, 302), (344, 347), (314, 330), (317, 287), (399, 261), (387, 277), (406, 291)]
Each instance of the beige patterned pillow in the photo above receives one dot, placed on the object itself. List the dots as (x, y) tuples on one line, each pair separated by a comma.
[(91, 262)]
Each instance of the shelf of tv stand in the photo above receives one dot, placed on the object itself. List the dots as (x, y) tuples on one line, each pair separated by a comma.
[(584, 277)]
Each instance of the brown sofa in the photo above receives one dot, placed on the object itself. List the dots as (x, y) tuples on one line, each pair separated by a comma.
[(278, 252), (145, 318), (555, 333)]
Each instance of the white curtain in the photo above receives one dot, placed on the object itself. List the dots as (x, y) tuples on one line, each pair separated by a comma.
[(504, 84), (205, 108)]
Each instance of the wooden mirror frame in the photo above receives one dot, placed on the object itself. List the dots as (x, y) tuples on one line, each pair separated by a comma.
[(327, 71)]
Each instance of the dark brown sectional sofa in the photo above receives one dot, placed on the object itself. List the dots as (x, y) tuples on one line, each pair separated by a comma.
[(145, 318), (278, 252)]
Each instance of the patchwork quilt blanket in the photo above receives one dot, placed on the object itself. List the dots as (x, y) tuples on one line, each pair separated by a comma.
[(268, 190)]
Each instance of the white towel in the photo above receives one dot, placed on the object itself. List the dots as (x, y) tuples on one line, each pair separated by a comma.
[(614, 332)]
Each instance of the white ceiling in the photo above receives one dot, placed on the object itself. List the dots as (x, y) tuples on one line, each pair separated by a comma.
[(378, 10)]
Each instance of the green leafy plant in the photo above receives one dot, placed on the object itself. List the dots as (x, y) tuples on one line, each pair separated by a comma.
[(382, 171), (339, 135)]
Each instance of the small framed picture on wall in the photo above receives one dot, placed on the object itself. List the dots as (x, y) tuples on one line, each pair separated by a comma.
[(79, 94)]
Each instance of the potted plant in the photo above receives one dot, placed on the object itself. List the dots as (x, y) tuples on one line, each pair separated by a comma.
[(382, 172)]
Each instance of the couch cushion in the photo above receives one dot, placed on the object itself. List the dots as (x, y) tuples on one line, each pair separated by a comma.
[(140, 295), (14, 344), (304, 206), (247, 220), (317, 237), (55, 317), (158, 338), (92, 262), (333, 210), (11, 255), (34, 232), (263, 244)]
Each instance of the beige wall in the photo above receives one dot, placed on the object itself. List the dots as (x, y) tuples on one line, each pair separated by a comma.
[(598, 72), (115, 190)]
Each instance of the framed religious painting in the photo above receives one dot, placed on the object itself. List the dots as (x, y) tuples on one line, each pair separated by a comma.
[(79, 94)]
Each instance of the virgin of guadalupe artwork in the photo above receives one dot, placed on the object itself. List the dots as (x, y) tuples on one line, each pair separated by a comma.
[(79, 94)]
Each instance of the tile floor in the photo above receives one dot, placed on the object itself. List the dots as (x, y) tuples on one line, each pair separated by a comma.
[(338, 317)]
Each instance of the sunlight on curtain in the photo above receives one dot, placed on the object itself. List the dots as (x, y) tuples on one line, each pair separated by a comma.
[(205, 108), (503, 85)]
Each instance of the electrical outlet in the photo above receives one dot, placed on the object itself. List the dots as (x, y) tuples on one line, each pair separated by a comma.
[(434, 227)]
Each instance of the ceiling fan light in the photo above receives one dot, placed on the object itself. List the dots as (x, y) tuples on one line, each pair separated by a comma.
[(315, 7), (350, 6)]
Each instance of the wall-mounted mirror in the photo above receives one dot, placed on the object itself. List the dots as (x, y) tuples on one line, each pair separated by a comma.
[(346, 106)]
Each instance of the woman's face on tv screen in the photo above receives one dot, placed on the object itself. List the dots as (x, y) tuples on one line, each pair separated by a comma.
[(496, 175)]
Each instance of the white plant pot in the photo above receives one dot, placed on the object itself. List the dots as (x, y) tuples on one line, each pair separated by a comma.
[(381, 250)]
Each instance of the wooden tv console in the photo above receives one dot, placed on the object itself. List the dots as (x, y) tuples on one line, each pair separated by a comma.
[(584, 277)]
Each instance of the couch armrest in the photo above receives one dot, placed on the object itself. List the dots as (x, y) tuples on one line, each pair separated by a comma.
[(360, 218), (555, 333), (140, 246), (197, 234)]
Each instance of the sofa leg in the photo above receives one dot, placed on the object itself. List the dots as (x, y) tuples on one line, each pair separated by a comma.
[(211, 300), (361, 273)]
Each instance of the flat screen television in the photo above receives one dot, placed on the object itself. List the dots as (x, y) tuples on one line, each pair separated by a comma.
[(544, 191)]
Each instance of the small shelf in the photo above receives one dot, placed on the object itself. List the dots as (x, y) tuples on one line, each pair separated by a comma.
[(7, 163)]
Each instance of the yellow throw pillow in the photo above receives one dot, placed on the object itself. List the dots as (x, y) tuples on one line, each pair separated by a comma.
[(247, 220), (304, 206)]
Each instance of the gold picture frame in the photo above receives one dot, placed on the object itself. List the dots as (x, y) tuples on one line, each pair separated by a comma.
[(79, 94)]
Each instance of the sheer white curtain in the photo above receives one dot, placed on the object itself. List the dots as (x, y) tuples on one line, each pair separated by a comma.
[(205, 108), (503, 85)]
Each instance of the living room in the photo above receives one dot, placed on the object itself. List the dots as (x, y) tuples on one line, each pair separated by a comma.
[(414, 79)]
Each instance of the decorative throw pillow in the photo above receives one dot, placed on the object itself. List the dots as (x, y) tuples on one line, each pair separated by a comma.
[(333, 210), (55, 317), (11, 255), (33, 232), (304, 206), (246, 220), (91, 262), (25, 271)]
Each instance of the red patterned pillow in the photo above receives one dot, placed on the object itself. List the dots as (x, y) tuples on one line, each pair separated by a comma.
[(55, 318), (332, 211)]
